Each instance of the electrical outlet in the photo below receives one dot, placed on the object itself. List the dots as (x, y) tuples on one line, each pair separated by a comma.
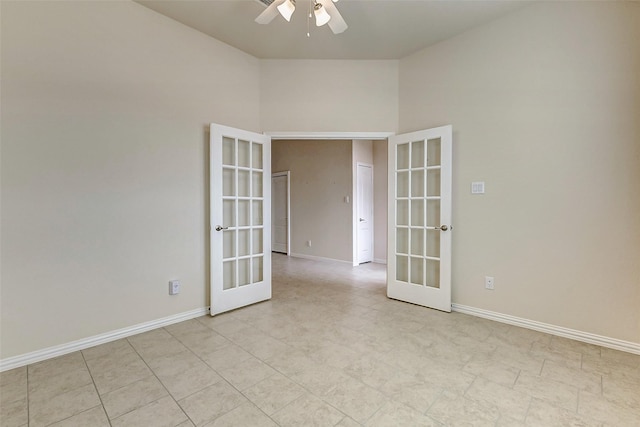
[(488, 282), (309, 243), (174, 287)]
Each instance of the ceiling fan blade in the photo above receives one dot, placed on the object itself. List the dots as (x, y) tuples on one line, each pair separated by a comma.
[(269, 13), (337, 23)]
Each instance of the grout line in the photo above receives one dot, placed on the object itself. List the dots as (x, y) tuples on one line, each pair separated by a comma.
[(95, 387), (159, 380), (28, 398)]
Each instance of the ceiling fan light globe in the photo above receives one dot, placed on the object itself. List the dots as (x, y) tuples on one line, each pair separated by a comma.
[(322, 17), (286, 9)]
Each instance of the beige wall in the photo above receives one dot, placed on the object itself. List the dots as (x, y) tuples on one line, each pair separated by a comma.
[(380, 200), (103, 167), (320, 180), (545, 107), (104, 153), (329, 96)]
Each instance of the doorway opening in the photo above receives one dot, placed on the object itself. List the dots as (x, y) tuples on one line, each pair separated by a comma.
[(326, 202)]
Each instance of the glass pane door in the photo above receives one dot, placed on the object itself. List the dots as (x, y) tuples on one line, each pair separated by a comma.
[(420, 217), (240, 236)]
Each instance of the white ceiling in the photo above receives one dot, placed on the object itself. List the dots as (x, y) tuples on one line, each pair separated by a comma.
[(378, 29)]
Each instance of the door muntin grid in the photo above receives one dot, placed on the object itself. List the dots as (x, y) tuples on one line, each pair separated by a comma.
[(242, 214), (418, 214)]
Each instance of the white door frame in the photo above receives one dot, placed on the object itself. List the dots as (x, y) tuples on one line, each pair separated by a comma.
[(357, 215), (288, 175)]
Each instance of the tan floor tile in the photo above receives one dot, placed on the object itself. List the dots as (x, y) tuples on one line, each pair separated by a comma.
[(330, 330), (320, 380), (367, 345), (244, 415), (394, 414), (334, 355), (208, 320), (161, 413), (569, 358), (12, 391), (273, 393), (133, 396), (94, 417), (111, 375), (188, 328), (621, 357), (45, 388), (453, 409), (348, 422), (13, 375), (506, 421), (174, 363), (445, 376), (571, 376), (412, 391), (508, 402), (560, 394), (212, 402), (600, 408), (14, 414), (249, 372), (544, 414), (493, 370), (602, 366), (371, 371), (56, 366), (561, 343), (206, 343), (225, 326), (185, 383), (264, 347), (226, 357), (355, 399), (62, 406), (517, 358), (197, 337), (156, 343), (477, 328), (112, 349), (307, 410), (620, 390)]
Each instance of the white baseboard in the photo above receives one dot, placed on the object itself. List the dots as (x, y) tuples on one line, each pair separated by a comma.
[(60, 350), (318, 258), (380, 260), (560, 331)]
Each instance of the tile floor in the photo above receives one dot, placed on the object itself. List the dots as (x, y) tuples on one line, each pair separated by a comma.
[(329, 349)]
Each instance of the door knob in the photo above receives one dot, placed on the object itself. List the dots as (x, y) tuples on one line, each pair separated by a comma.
[(220, 228), (361, 219), (444, 228)]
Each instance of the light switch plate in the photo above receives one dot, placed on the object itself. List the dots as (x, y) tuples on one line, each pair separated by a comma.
[(477, 187)]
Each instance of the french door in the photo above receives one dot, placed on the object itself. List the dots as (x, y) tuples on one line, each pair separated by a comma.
[(419, 215), (240, 209)]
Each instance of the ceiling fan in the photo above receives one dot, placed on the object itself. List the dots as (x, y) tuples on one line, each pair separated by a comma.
[(324, 10)]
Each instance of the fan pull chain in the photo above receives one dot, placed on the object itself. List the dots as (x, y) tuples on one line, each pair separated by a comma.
[(308, 20)]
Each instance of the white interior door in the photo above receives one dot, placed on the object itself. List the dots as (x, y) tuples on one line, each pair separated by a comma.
[(240, 207), (419, 227), (280, 212), (364, 188)]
